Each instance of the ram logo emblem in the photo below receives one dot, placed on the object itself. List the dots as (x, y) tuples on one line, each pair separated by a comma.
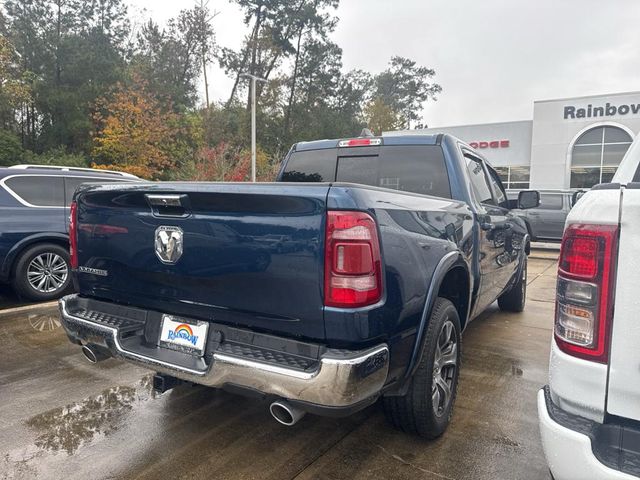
[(169, 244)]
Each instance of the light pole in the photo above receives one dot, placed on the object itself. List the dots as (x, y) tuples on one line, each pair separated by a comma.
[(254, 79)]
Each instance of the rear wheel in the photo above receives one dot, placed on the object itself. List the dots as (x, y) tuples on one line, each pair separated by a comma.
[(426, 408), (514, 299), (42, 272)]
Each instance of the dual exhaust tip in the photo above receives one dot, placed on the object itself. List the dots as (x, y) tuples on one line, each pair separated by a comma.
[(281, 410), (95, 353), (285, 413)]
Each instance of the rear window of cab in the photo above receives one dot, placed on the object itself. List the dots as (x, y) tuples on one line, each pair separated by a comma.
[(409, 168)]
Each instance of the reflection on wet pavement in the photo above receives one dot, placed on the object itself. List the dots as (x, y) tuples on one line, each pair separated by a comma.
[(44, 321), (63, 418), (66, 428)]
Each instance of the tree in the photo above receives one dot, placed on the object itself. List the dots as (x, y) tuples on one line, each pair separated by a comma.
[(381, 117), (313, 26), (171, 58), (73, 50), (10, 148), (134, 132), (15, 91), (206, 40), (276, 24), (405, 86)]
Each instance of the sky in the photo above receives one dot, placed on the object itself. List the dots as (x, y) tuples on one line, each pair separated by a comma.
[(493, 58)]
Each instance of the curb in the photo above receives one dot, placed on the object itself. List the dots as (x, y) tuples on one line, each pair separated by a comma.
[(28, 308)]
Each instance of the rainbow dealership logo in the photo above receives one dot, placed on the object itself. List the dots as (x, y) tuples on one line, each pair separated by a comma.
[(183, 332)]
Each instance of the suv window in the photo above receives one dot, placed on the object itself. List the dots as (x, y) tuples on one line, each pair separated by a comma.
[(38, 190), (410, 168), (550, 201), (479, 181)]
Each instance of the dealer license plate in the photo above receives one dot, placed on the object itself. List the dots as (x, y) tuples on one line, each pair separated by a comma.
[(179, 334)]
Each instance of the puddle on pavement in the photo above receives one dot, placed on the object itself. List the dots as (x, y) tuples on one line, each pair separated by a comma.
[(69, 427)]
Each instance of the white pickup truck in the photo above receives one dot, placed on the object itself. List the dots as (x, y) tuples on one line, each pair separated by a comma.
[(589, 413)]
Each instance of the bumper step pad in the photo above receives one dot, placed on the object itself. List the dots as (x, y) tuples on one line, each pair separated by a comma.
[(263, 355)]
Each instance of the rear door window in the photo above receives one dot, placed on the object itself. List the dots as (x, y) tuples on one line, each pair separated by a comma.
[(38, 190), (550, 201)]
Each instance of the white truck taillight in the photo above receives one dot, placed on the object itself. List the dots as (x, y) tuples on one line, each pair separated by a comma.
[(73, 235), (352, 265), (584, 300)]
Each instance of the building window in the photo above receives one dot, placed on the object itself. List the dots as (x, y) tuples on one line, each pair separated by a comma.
[(597, 154), (514, 177)]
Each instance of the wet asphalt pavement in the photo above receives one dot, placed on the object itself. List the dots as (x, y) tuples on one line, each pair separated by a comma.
[(63, 418)]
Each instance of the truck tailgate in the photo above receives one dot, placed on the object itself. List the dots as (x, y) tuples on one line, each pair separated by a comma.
[(251, 254), (624, 369)]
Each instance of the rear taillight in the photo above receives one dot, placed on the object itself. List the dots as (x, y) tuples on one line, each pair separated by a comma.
[(352, 266), (584, 300), (73, 235)]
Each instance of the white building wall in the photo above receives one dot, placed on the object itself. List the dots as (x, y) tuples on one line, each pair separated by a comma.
[(558, 123), (518, 134)]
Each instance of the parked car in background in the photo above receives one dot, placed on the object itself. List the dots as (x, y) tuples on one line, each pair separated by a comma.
[(380, 252), (546, 222), (589, 413), (34, 225)]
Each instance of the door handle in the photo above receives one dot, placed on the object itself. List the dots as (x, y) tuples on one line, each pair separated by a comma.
[(487, 227), (490, 227)]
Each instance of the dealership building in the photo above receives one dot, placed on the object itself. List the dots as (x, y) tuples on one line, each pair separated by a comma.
[(570, 143)]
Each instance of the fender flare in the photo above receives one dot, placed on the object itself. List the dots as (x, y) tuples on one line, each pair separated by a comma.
[(526, 250), (529, 229), (18, 248), (446, 263)]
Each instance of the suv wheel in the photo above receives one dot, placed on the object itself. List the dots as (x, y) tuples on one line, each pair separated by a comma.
[(514, 299), (42, 272), (426, 408)]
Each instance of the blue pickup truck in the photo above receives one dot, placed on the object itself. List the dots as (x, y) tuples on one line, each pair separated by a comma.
[(349, 279)]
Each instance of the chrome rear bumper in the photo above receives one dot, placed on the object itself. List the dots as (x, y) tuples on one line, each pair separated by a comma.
[(338, 379)]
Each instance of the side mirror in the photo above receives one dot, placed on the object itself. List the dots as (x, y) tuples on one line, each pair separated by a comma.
[(577, 196), (528, 199)]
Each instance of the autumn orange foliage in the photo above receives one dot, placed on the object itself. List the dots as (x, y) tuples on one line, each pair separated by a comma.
[(232, 164), (134, 131)]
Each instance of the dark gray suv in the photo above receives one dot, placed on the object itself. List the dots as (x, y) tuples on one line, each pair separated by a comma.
[(34, 225), (546, 223)]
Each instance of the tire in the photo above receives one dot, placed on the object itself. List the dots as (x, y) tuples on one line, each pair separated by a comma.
[(514, 299), (42, 273), (422, 411)]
